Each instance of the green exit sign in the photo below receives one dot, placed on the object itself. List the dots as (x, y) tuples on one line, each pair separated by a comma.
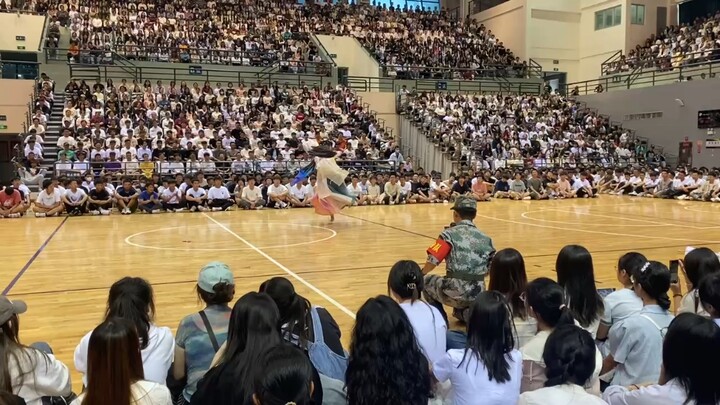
[(21, 47), (3, 126)]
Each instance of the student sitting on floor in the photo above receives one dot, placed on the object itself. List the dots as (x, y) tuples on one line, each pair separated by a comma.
[(99, 199), (218, 196), (49, 201), (74, 199), (149, 201), (195, 197), (171, 197), (11, 203)]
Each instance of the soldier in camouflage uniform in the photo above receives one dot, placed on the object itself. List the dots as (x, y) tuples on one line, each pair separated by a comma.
[(467, 253)]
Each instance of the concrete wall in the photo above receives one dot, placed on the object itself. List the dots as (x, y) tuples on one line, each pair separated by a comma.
[(16, 94), (597, 46), (676, 123), (553, 28), (384, 104), (349, 53), (508, 21), (29, 26)]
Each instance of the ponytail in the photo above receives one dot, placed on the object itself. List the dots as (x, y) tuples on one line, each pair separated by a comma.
[(663, 301), (547, 299), (654, 278), (565, 317)]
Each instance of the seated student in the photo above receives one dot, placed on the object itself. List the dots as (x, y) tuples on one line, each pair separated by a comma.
[(480, 190), (622, 303), (278, 194), (126, 197), (583, 187), (502, 187), (286, 377), (421, 191), (664, 188), (689, 184), (99, 199), (576, 274), (49, 201), (31, 372), (606, 182), (460, 187), (405, 286), (357, 191), (570, 361), (442, 190), (634, 343), (709, 294), (195, 197), (535, 186), (171, 197), (218, 196), (402, 374), (564, 188), (149, 200), (24, 192), (115, 368), (11, 203), (74, 199), (405, 188), (697, 264), (707, 190), (649, 186), (374, 196), (132, 298), (623, 184), (690, 351), (309, 327), (489, 364), (250, 196), (392, 191), (200, 335), (298, 196), (518, 190)]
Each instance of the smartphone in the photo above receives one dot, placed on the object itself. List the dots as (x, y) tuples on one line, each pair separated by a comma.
[(674, 266), (604, 292)]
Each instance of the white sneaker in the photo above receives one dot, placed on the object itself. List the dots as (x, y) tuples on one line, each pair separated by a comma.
[(155, 211), (392, 202), (202, 208), (193, 208), (39, 215), (527, 198), (216, 209), (632, 193), (104, 212), (15, 215), (95, 212), (283, 205), (180, 210)]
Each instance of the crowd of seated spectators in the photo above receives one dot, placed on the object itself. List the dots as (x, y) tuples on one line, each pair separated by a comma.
[(492, 131), (675, 47), (539, 341)]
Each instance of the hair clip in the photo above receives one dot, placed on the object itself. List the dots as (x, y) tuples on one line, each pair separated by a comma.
[(562, 306), (645, 267), (411, 286)]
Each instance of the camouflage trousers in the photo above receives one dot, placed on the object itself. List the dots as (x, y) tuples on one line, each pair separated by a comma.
[(453, 292)]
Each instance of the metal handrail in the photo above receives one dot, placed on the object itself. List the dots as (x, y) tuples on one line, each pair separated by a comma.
[(654, 61), (443, 72), (613, 58)]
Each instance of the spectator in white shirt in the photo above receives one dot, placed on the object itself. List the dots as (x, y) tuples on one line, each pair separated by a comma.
[(357, 191), (49, 201), (622, 303), (690, 354), (490, 364), (218, 196), (392, 191), (131, 298), (298, 196), (75, 199), (570, 359), (278, 194), (34, 148), (251, 196), (195, 197), (115, 367), (31, 372), (171, 197), (405, 286)]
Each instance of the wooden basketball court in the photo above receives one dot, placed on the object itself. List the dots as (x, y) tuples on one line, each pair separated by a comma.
[(63, 267)]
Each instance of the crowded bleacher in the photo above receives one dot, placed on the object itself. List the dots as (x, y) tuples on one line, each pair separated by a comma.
[(677, 46)]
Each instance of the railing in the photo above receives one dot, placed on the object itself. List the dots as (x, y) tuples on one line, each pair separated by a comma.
[(660, 63), (451, 73), (609, 62), (387, 84), (214, 168), (646, 78), (534, 69), (191, 74)]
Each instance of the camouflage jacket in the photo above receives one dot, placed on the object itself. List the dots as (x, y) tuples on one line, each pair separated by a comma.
[(471, 252)]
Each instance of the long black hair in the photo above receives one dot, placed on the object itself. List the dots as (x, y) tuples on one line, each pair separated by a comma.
[(294, 309), (286, 377), (692, 344), (406, 280), (699, 263), (654, 278), (386, 364), (569, 356), (631, 263), (132, 298), (507, 276), (576, 275), (254, 328), (14, 352), (489, 335), (547, 300)]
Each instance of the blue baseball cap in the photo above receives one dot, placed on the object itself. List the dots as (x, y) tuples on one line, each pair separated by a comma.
[(214, 273)]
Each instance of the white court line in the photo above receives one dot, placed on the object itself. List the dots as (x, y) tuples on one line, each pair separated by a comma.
[(526, 216), (642, 221), (289, 272)]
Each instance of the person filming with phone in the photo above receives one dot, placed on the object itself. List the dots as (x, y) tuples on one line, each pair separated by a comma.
[(698, 264), (467, 252)]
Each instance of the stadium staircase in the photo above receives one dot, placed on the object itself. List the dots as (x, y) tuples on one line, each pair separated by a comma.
[(52, 133)]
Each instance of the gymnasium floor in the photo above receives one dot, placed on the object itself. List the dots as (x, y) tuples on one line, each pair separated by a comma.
[(63, 267)]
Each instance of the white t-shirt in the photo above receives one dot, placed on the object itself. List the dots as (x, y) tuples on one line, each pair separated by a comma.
[(298, 193), (619, 305), (560, 394), (200, 192), (251, 194), (143, 393), (357, 190), (76, 196), (48, 377), (430, 328), (171, 196), (470, 380), (277, 190), (218, 193), (49, 200), (156, 357)]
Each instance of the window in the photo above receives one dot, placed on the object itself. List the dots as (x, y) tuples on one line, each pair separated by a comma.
[(637, 14), (610, 17)]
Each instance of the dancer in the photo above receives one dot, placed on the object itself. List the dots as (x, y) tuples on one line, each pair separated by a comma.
[(330, 195)]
